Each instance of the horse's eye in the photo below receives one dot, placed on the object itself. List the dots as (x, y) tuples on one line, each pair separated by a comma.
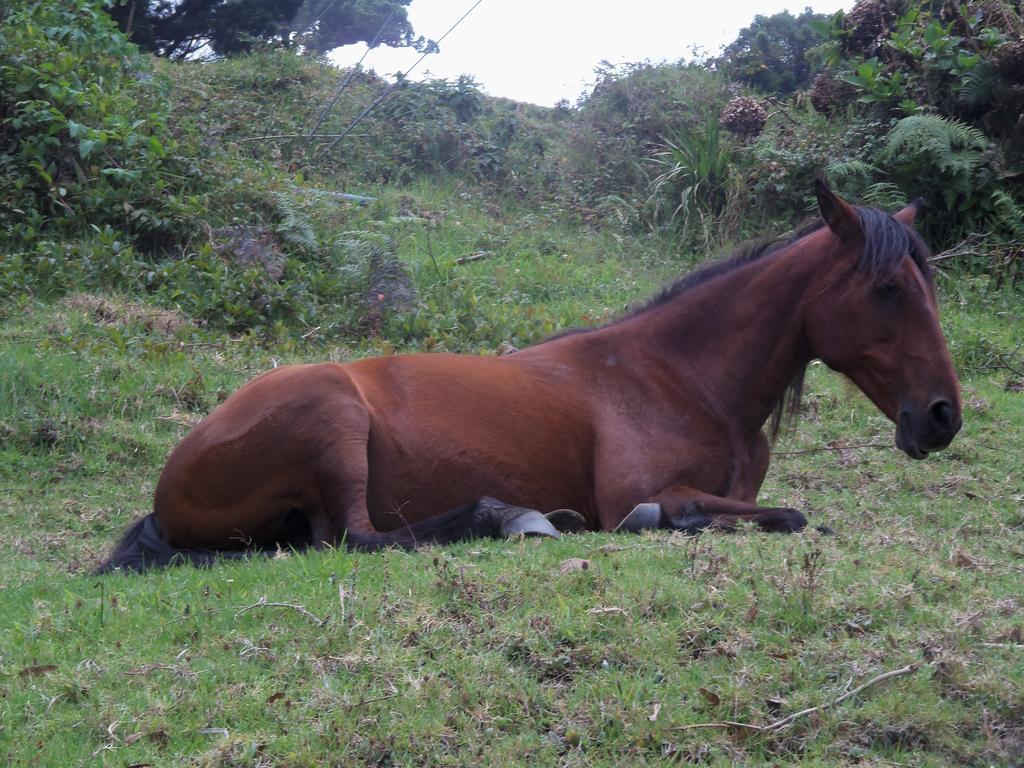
[(888, 291)]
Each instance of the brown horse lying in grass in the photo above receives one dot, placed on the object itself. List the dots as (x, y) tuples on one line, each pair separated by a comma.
[(663, 408)]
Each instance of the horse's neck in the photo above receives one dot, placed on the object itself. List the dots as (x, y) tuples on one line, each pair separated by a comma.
[(739, 338)]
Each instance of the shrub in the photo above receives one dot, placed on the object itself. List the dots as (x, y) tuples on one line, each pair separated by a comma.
[(694, 168), (83, 129), (784, 161), (626, 119), (956, 168)]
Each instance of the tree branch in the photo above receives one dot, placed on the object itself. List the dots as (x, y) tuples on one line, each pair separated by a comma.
[(786, 721), (830, 448), (262, 603), (966, 247)]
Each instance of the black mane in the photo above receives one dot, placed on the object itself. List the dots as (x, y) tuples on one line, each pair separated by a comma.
[(745, 254), (887, 241)]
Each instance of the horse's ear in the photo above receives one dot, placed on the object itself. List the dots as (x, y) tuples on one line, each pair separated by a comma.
[(840, 216), (908, 214)]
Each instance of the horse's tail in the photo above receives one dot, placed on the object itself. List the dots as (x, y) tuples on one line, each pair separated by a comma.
[(143, 546)]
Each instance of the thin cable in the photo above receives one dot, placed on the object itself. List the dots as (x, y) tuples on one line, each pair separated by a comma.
[(395, 84), (351, 73)]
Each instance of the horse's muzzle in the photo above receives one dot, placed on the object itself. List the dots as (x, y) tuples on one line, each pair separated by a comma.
[(920, 432)]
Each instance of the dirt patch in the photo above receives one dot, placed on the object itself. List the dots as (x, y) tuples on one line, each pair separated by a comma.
[(390, 290), (250, 246), (409, 208), (167, 322)]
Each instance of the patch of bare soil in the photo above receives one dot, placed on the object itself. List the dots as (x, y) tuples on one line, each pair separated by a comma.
[(168, 322), (390, 289), (250, 246)]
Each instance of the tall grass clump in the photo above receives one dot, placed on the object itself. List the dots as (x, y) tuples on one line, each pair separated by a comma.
[(691, 190)]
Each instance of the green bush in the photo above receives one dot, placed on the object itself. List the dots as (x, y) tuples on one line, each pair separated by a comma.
[(784, 161), (83, 129), (626, 120), (953, 166), (50, 267), (317, 290), (956, 168), (959, 60), (691, 189)]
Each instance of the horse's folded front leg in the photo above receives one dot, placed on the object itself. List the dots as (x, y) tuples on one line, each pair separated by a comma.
[(686, 509), (773, 520), (701, 511)]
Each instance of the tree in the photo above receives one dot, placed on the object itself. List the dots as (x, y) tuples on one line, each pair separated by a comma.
[(332, 24), (770, 53), (179, 29)]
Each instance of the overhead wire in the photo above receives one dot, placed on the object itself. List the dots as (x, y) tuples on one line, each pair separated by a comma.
[(362, 116), (351, 73)]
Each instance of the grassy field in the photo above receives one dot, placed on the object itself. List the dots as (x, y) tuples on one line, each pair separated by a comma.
[(662, 649)]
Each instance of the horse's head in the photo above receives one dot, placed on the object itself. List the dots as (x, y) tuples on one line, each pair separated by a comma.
[(873, 317)]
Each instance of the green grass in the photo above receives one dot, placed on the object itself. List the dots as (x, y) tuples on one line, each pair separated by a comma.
[(489, 652), (485, 652)]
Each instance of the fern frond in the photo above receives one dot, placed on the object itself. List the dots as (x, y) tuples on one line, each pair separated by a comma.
[(978, 86), (1009, 214), (294, 227), (955, 147), (846, 170), (885, 195)]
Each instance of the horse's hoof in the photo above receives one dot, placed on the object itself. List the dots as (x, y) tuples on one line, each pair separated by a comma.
[(782, 521), (567, 520), (528, 522), (644, 517)]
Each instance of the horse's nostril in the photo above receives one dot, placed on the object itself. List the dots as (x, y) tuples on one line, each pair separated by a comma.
[(942, 414)]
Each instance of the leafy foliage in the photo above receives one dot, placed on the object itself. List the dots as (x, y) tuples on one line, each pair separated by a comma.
[(180, 29), (316, 290), (907, 58), (328, 24), (771, 54), (954, 149), (186, 28), (951, 72), (124, 206), (625, 119), (781, 165), (694, 172), (877, 87), (84, 138), (856, 180), (950, 164)]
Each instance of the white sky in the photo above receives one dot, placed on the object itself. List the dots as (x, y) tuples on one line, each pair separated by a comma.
[(540, 51)]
